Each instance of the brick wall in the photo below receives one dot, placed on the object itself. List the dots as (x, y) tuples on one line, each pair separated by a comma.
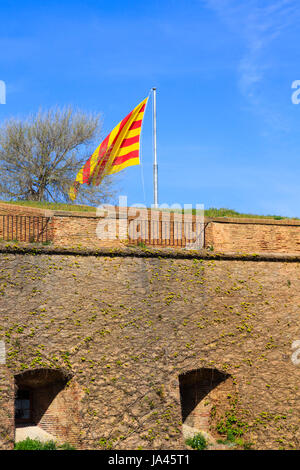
[(57, 411), (26, 228), (54, 402), (253, 235), (78, 230), (72, 229), (159, 228), (26, 224), (202, 391), (231, 235)]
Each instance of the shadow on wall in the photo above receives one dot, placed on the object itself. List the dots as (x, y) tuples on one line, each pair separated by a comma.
[(200, 391), (48, 399)]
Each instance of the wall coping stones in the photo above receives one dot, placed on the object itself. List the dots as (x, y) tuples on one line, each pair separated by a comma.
[(137, 252), (34, 211), (232, 220)]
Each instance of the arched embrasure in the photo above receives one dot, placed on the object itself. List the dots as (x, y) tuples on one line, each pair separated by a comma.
[(47, 401), (200, 391)]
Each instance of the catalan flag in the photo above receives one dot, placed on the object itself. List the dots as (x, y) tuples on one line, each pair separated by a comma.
[(118, 150)]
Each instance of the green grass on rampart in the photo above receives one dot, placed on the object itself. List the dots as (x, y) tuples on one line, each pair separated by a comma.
[(211, 212)]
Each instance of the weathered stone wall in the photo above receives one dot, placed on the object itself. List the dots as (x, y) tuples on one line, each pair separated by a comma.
[(6, 408), (127, 327)]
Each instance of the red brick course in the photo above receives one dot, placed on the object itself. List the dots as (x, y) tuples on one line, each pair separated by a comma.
[(73, 229)]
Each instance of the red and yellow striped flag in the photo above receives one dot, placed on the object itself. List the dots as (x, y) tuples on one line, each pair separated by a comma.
[(118, 150)]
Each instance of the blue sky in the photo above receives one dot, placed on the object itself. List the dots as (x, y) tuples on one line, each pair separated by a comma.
[(228, 132)]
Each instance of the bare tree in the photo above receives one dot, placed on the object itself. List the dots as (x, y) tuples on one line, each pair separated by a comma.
[(40, 156)]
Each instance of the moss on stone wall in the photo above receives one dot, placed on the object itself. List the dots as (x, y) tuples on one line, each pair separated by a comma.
[(128, 325)]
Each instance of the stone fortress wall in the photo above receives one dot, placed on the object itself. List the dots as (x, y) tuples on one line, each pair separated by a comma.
[(132, 348)]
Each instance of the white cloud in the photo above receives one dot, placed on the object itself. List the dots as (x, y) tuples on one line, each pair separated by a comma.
[(258, 25)]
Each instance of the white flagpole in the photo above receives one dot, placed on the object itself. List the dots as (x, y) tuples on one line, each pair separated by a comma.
[(155, 177)]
